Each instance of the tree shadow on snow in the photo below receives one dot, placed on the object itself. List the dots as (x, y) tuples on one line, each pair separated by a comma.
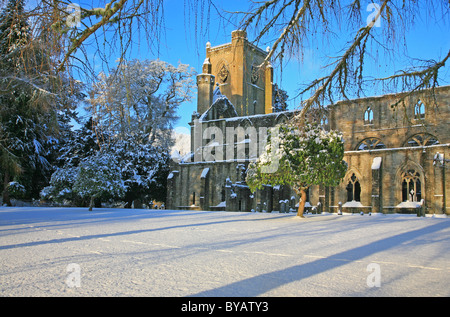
[(258, 285)]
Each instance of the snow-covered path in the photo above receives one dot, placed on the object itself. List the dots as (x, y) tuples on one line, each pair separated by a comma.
[(118, 252)]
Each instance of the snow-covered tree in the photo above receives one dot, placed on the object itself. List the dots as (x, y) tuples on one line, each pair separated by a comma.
[(60, 187), (99, 176), (33, 111), (70, 150), (78, 144), (14, 33), (279, 99), (301, 158), (144, 168), (141, 96), (16, 190)]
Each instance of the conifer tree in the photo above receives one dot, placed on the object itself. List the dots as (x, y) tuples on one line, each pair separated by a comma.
[(14, 33), (33, 108), (299, 159)]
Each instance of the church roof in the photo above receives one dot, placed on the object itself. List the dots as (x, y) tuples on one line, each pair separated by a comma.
[(221, 107)]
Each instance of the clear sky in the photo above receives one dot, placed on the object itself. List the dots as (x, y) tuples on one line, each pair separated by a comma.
[(182, 44)]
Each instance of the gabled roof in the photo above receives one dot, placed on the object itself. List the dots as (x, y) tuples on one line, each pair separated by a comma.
[(221, 108)]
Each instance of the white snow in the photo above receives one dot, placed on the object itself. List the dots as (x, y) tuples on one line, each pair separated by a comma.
[(205, 172), (409, 204), (138, 252), (376, 163), (222, 204), (438, 158), (353, 203)]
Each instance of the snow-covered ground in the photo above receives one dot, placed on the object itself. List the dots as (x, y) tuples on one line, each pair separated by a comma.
[(119, 252)]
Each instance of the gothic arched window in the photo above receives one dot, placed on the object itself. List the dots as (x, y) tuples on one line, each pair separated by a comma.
[(370, 144), (419, 110), (368, 116), (421, 139), (353, 189), (411, 186)]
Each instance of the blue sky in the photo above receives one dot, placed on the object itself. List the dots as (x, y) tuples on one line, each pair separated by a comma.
[(180, 44)]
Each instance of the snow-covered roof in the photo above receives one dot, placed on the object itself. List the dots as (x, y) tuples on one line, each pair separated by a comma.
[(221, 107)]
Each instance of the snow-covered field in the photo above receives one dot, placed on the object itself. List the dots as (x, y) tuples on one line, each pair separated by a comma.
[(119, 252)]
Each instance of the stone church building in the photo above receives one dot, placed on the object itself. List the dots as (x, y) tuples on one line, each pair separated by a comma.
[(398, 158)]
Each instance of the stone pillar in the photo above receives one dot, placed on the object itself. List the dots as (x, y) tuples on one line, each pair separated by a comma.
[(172, 179), (321, 202), (377, 205), (230, 196), (276, 198), (204, 192)]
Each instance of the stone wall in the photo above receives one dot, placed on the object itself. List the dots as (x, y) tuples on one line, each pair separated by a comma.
[(239, 72), (393, 144)]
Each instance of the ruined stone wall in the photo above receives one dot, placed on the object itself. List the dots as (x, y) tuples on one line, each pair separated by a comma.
[(392, 125), (412, 136), (402, 141)]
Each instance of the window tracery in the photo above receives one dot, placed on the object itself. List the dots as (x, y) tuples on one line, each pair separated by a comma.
[(411, 186), (368, 116), (422, 139), (419, 110), (370, 144), (353, 189)]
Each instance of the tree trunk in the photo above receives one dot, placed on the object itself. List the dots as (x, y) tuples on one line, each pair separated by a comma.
[(302, 202), (6, 199), (91, 203)]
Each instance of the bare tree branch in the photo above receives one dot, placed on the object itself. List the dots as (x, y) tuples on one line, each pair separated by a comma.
[(340, 67)]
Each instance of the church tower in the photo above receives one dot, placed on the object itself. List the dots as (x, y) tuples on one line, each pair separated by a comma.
[(205, 86), (239, 70)]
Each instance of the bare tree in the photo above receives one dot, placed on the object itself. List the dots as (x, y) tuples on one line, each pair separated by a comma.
[(295, 23), (75, 34), (112, 28)]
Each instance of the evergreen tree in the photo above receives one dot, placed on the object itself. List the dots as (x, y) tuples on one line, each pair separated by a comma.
[(138, 172), (299, 159), (79, 144), (279, 99), (71, 150), (14, 33), (99, 176), (144, 169), (36, 104)]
